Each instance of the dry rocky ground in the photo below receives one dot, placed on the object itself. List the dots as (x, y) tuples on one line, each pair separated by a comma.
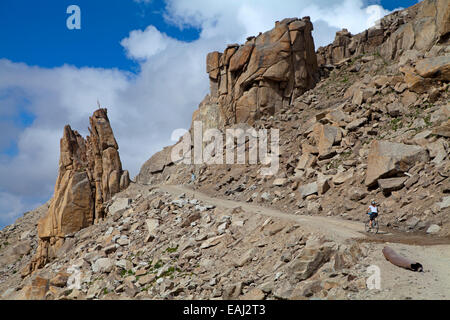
[(172, 242), (364, 118), (411, 199)]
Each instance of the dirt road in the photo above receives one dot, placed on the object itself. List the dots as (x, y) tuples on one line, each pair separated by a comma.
[(396, 283), (336, 229)]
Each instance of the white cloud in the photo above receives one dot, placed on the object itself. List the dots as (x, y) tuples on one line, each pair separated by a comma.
[(144, 108), (13, 207), (142, 45), (239, 19)]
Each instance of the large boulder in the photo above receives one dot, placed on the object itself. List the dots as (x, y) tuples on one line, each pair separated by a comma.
[(102, 265), (343, 177), (434, 228), (445, 203), (155, 164), (326, 136), (426, 71), (308, 189), (435, 67), (310, 260), (305, 161), (387, 159), (392, 184), (443, 130), (36, 290), (415, 82)]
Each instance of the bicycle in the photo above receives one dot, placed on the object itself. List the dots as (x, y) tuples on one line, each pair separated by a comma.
[(375, 225)]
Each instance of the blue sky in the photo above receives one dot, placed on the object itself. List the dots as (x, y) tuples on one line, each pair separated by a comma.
[(34, 31), (144, 60), (394, 4)]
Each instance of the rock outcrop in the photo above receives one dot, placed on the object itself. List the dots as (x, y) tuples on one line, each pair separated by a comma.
[(406, 32), (255, 79), (90, 173), (261, 76), (105, 167), (417, 37), (154, 165)]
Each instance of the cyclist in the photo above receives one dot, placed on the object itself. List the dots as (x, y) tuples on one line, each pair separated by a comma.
[(372, 211)]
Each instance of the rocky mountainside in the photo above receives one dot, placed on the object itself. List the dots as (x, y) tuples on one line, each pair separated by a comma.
[(376, 126), (153, 244), (366, 117), (418, 28)]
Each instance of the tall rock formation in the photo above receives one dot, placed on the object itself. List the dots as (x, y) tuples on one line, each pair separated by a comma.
[(90, 173), (261, 76), (105, 167), (248, 81)]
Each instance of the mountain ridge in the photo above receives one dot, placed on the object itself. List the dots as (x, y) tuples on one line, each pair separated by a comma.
[(366, 118)]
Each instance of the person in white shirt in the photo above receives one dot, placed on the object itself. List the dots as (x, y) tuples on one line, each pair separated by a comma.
[(372, 211)]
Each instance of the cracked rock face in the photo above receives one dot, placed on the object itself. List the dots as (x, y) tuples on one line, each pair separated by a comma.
[(415, 29), (105, 167), (261, 76), (252, 80), (90, 173)]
